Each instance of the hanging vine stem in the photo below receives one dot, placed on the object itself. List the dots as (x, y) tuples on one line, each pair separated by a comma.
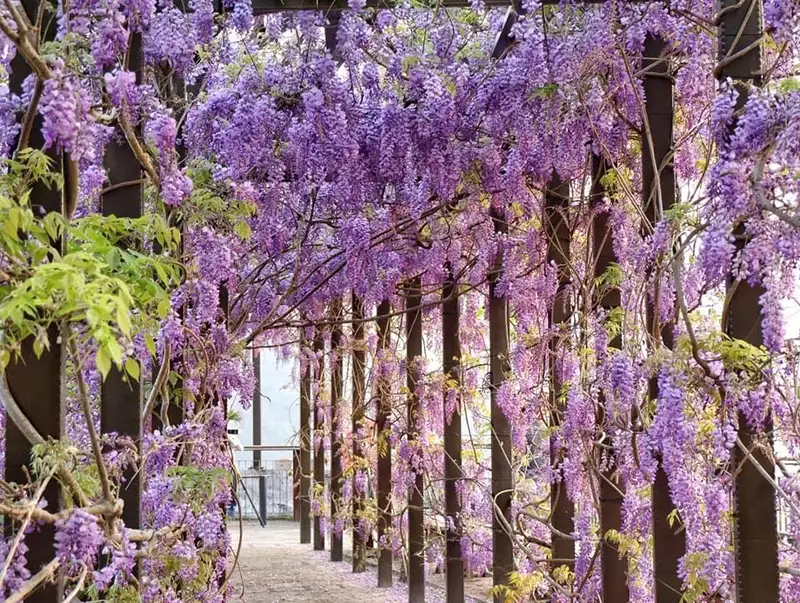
[(161, 378), (86, 407), (73, 594), (34, 437), (25, 522), (44, 574)]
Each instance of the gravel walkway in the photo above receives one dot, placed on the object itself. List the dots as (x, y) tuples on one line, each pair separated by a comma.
[(274, 567)]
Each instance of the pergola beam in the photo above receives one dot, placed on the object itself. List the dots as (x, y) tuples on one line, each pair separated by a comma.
[(264, 7)]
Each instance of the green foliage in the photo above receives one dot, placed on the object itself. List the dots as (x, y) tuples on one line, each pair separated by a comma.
[(611, 277), (115, 594), (544, 91), (208, 205), (697, 586), (679, 213), (520, 587), (197, 484), (47, 457), (86, 273), (736, 354)]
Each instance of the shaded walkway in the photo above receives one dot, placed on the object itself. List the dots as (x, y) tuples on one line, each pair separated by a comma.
[(274, 567)]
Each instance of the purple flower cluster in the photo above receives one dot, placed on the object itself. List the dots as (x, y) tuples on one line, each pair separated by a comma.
[(78, 540)]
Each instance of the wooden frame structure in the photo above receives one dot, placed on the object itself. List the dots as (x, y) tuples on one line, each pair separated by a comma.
[(36, 382)]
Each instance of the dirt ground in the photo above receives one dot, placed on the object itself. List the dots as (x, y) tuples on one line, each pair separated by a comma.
[(275, 568)]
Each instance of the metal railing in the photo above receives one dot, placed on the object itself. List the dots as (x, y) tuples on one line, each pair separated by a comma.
[(266, 489)]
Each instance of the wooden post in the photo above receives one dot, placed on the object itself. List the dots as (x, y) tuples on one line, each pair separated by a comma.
[(502, 448), (558, 243), (121, 397), (615, 586), (319, 445), (385, 453), (359, 365), (451, 367), (755, 518), (295, 486), (305, 446), (658, 190), (35, 382), (416, 534), (337, 365), (502, 476)]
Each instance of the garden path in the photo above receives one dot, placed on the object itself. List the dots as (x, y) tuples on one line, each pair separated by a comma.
[(275, 568)]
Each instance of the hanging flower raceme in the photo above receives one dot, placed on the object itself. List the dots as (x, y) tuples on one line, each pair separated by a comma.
[(162, 132), (66, 108), (78, 540)]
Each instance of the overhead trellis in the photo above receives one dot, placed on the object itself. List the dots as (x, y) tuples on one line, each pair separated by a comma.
[(320, 202)]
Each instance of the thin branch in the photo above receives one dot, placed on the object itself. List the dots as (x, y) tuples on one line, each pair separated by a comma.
[(73, 594), (163, 371), (86, 407), (44, 574), (33, 436), (21, 529)]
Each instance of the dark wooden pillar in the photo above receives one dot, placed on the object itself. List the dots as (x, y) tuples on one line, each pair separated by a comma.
[(359, 364), (658, 190), (319, 434), (384, 417), (451, 366), (121, 397), (755, 519), (502, 475), (35, 382), (614, 578), (257, 459), (337, 365), (416, 534), (305, 445), (558, 243), (502, 448)]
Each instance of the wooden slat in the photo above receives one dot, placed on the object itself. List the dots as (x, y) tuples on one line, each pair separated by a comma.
[(384, 418), (451, 368), (614, 574), (319, 445), (337, 372), (559, 238), (359, 364), (502, 449), (416, 534), (261, 7), (658, 195), (305, 451), (755, 517), (35, 382)]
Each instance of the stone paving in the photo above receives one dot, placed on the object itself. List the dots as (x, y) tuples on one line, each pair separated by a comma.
[(275, 568)]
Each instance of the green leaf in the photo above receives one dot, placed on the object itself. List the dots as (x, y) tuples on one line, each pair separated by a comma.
[(672, 517), (112, 258), (150, 343), (243, 231), (132, 368), (115, 351), (38, 347), (103, 361), (123, 319), (163, 308)]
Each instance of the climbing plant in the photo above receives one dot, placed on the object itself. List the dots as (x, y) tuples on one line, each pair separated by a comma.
[(295, 171)]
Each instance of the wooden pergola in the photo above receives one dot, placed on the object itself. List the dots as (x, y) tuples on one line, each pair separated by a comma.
[(36, 381)]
